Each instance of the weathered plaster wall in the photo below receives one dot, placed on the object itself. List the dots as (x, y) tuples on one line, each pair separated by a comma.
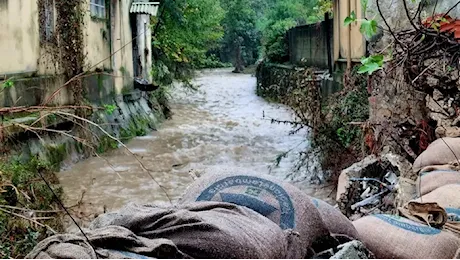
[(19, 37), (144, 43), (122, 61), (22, 52), (97, 41)]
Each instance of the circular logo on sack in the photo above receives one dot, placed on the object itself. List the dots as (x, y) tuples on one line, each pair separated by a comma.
[(249, 197), (408, 225), (453, 214)]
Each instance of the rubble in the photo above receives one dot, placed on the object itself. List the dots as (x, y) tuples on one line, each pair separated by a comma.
[(375, 185), (351, 250)]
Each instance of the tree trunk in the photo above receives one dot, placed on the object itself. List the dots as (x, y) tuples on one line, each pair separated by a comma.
[(239, 66)]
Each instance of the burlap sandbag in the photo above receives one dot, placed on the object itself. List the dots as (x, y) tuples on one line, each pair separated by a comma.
[(198, 230), (440, 152), (396, 237), (448, 197), (335, 221), (280, 202), (433, 177)]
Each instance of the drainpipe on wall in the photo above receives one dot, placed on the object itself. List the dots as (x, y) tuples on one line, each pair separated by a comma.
[(349, 37)]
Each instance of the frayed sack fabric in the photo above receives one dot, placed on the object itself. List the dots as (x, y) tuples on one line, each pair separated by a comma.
[(448, 197), (430, 214), (396, 237), (198, 230), (280, 202), (440, 152), (335, 221), (434, 177)]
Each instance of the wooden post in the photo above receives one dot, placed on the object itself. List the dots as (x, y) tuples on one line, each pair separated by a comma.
[(349, 37), (327, 23)]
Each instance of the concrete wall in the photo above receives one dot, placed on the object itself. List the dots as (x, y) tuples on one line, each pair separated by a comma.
[(19, 37)]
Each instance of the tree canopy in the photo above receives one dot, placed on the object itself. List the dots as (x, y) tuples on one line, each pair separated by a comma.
[(205, 33)]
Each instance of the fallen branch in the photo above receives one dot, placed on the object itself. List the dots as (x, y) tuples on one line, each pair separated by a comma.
[(33, 210), (124, 146), (29, 219), (31, 109)]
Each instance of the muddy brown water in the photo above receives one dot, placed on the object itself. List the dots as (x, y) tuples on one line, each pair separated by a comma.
[(222, 127)]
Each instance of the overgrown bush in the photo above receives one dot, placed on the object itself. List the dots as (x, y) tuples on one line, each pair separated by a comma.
[(333, 122), (340, 137), (211, 61), (25, 198)]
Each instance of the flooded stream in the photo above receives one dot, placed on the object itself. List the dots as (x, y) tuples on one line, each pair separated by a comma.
[(222, 127)]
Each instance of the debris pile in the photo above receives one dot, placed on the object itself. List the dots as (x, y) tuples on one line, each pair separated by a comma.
[(416, 97), (374, 185)]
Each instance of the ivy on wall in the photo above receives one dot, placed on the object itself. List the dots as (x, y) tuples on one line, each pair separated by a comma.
[(69, 28)]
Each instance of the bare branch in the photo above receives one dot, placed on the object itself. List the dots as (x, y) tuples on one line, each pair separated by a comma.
[(124, 146), (29, 219)]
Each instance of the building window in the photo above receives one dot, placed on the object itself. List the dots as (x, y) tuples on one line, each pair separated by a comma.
[(47, 20), (98, 8)]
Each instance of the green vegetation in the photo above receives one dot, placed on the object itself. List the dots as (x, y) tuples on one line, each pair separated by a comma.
[(197, 34), (24, 196), (283, 16), (241, 36), (110, 108), (187, 30), (340, 137), (368, 27), (9, 83)]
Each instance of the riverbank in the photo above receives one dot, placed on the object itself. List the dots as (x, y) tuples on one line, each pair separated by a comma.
[(29, 186)]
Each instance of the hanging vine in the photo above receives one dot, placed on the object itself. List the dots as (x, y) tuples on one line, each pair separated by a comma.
[(69, 27)]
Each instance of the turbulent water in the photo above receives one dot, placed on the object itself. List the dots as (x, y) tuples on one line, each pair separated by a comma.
[(222, 127)]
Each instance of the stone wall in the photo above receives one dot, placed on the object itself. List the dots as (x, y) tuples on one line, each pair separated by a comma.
[(275, 81), (132, 114)]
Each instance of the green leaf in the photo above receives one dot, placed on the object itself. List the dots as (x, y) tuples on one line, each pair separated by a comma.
[(350, 19), (371, 64), (110, 108), (369, 68), (364, 5), (368, 28), (8, 84)]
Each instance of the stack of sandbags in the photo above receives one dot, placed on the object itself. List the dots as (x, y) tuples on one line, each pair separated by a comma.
[(335, 221), (439, 179), (197, 230), (395, 237), (280, 202)]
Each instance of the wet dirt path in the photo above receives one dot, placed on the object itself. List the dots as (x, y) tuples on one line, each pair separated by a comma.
[(222, 127)]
